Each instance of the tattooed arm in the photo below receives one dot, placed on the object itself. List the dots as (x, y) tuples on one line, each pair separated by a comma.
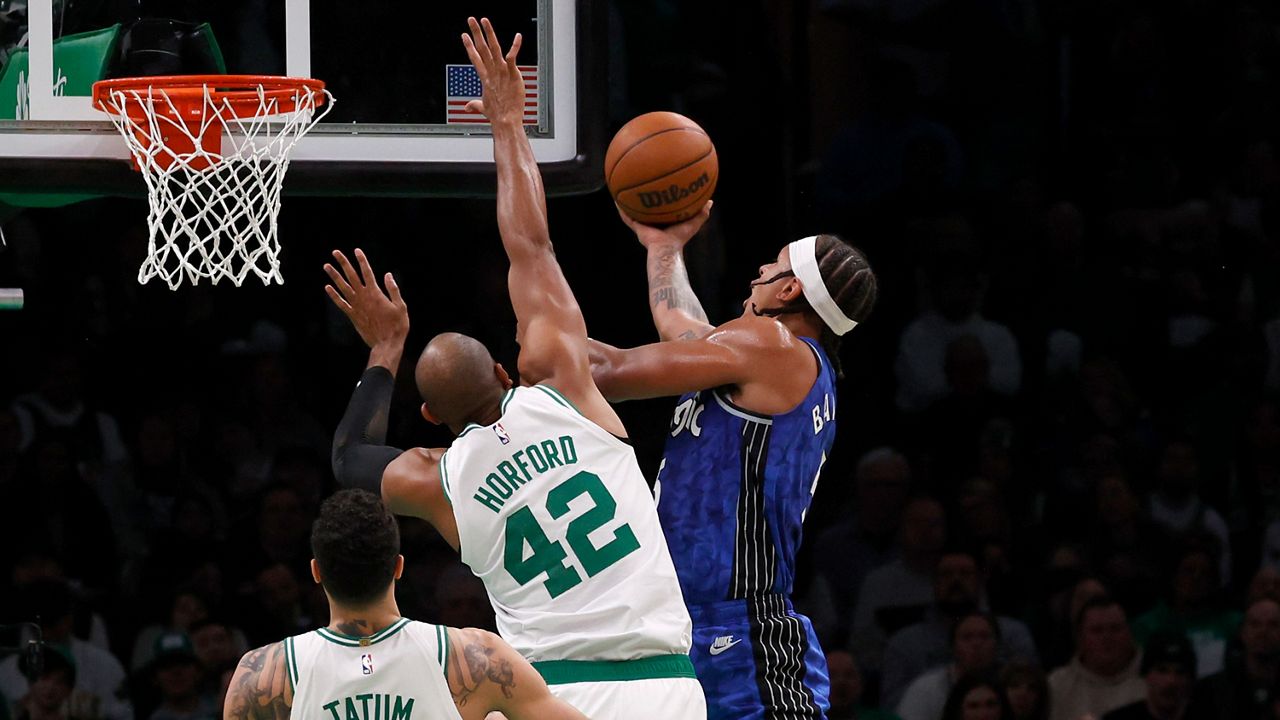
[(260, 688), (485, 674), (677, 313)]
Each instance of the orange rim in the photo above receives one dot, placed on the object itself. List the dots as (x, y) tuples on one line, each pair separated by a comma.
[(186, 92)]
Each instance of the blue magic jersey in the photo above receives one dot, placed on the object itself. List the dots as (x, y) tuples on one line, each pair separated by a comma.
[(734, 487)]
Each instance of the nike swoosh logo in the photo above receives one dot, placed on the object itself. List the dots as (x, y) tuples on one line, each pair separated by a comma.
[(717, 647)]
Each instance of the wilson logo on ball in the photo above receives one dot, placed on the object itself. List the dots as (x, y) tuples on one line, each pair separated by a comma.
[(675, 193)]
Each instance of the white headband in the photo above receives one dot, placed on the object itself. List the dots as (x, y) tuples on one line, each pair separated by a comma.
[(804, 263)]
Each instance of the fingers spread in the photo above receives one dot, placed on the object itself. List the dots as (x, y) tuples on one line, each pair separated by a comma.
[(348, 271), (366, 272), (343, 305), (394, 289), (515, 49), (338, 280)]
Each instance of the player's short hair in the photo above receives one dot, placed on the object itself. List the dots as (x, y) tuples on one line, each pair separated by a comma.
[(355, 541)]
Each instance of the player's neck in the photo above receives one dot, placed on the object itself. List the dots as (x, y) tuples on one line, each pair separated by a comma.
[(488, 415), (800, 324), (364, 621)]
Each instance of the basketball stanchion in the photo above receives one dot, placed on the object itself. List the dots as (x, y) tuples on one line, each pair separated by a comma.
[(213, 151)]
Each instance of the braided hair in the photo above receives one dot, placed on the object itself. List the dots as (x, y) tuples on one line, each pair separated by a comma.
[(851, 283)]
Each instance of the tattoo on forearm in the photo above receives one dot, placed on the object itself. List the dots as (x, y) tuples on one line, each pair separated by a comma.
[(481, 667), (669, 284), (261, 690)]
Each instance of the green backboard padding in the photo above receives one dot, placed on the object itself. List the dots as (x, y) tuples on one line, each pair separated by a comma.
[(82, 59)]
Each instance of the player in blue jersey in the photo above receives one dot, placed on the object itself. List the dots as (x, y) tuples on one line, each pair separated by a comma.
[(754, 424)]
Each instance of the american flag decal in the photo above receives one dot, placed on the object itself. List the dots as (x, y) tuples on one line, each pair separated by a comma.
[(462, 84)]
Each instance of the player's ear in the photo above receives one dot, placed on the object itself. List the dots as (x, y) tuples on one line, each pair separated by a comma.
[(790, 291), (426, 414), (315, 571), (501, 373), (399, 567)]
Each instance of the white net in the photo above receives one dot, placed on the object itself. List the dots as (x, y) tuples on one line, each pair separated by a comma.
[(214, 205)]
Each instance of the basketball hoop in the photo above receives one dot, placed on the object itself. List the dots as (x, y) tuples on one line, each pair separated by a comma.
[(213, 151)]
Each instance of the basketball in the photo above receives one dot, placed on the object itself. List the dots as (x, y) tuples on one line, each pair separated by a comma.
[(661, 168)]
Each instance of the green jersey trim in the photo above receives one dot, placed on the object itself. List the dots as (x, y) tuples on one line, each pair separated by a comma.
[(349, 641), (506, 399), (291, 662), (444, 478), (559, 397), (563, 672), (468, 428), (442, 644)]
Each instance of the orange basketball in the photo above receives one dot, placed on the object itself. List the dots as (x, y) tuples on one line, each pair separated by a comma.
[(661, 168)]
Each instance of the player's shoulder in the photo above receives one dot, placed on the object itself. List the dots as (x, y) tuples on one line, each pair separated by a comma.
[(261, 686), (758, 332), (413, 462)]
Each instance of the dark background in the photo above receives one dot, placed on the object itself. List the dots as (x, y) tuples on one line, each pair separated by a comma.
[(1096, 180)]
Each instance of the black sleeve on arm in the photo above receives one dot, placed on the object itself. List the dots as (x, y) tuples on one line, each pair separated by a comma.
[(359, 455)]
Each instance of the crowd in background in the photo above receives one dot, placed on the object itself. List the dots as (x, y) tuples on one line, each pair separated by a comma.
[(1056, 488)]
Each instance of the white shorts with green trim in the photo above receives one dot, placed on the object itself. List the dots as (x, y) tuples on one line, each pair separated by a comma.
[(648, 699)]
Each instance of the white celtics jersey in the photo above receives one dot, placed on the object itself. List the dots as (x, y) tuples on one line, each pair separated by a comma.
[(556, 518), (395, 674)]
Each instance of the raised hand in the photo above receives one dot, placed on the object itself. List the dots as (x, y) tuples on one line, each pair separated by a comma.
[(678, 234), (504, 96), (382, 319)]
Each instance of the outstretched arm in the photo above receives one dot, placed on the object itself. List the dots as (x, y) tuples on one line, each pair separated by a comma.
[(677, 312), (755, 355), (360, 454), (260, 688), (486, 675), (549, 324)]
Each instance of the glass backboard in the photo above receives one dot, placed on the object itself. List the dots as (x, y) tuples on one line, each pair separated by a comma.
[(397, 70)]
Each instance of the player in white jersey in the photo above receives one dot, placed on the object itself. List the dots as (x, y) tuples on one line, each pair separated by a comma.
[(540, 491), (372, 664)]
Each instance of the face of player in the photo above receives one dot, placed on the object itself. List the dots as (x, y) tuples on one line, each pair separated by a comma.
[(773, 279)]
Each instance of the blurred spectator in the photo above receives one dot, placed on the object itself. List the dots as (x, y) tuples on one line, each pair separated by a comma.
[(847, 552), (216, 644), (70, 521), (956, 291), (928, 644), (886, 149), (1265, 584), (1104, 673), (50, 693), (1246, 688), (185, 610), (275, 608), (1027, 689), (1169, 671), (1192, 609), (176, 672), (99, 691), (975, 638), (953, 427), (1176, 505), (897, 594), (60, 412), (1050, 616), (846, 690), (37, 565), (1126, 543), (977, 697)]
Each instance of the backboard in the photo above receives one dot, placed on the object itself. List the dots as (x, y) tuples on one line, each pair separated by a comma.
[(397, 70)]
